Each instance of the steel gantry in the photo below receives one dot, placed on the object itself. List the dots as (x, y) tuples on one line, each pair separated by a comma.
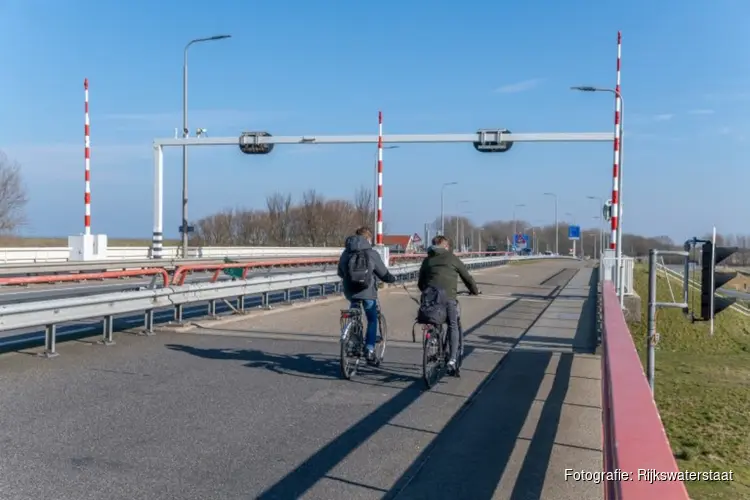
[(486, 141)]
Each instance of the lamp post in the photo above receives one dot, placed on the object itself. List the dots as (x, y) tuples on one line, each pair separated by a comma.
[(460, 224), (515, 221), (442, 205), (601, 227), (185, 133), (618, 244), (557, 229)]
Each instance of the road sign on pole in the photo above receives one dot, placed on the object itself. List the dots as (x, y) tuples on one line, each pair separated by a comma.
[(574, 232), (520, 242)]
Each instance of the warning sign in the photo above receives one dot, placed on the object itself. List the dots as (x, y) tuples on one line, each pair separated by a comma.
[(416, 238)]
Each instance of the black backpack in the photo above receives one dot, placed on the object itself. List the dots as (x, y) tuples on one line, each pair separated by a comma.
[(433, 307), (360, 272)]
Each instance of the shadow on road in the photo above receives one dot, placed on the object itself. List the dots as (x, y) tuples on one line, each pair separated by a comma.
[(469, 457)]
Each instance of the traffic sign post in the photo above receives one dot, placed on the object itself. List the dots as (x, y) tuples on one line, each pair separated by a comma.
[(574, 234), (416, 240), (520, 242)]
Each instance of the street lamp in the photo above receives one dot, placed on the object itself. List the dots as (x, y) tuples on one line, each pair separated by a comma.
[(515, 222), (619, 275), (442, 205), (601, 227), (460, 223), (463, 230), (375, 189), (557, 229), (598, 218), (185, 133)]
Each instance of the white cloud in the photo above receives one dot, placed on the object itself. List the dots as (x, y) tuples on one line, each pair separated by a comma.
[(663, 117), (519, 86), (701, 111)]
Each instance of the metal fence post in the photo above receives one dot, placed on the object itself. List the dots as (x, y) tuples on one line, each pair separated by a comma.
[(651, 336)]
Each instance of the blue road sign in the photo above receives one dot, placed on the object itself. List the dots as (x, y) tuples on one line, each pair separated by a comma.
[(520, 242), (574, 232)]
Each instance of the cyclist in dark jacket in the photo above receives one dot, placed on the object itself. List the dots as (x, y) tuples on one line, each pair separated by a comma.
[(361, 241), (442, 269)]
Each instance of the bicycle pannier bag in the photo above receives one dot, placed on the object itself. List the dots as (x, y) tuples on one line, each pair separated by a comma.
[(432, 307), (360, 272)]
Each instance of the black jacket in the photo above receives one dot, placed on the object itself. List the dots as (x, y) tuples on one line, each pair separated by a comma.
[(441, 269), (378, 268)]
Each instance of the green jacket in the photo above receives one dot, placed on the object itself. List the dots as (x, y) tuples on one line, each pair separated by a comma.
[(442, 269)]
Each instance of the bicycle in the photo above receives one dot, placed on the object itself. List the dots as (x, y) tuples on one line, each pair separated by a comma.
[(436, 347), (353, 339)]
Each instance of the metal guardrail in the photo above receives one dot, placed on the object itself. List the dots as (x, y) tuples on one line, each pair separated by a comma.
[(608, 267), (101, 265), (635, 441), (36, 255), (167, 264), (49, 313)]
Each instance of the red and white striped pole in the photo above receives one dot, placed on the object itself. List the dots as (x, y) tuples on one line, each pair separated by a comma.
[(380, 179), (616, 167), (87, 160)]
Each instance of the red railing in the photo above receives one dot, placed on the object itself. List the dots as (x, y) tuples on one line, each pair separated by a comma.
[(635, 443), (182, 271), (56, 278)]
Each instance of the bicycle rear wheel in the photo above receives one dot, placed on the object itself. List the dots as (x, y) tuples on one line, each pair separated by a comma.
[(432, 355), (351, 348), (382, 339), (460, 350)]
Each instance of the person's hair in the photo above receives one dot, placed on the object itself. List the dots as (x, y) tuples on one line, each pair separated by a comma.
[(364, 231), (439, 240)]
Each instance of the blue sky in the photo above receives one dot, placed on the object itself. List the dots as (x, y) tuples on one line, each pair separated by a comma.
[(315, 68)]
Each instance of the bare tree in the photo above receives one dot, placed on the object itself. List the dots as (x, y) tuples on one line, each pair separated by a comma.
[(312, 217), (364, 207), (279, 218), (12, 195)]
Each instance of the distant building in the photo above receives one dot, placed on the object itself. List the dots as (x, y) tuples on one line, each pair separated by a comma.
[(403, 243)]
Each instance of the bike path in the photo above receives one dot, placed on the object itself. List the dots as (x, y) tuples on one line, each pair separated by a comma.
[(256, 409)]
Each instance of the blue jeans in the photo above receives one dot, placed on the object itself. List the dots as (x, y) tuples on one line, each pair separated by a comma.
[(371, 313)]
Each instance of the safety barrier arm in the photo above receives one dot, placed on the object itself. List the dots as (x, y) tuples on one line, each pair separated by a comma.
[(634, 437), (182, 271), (55, 278)]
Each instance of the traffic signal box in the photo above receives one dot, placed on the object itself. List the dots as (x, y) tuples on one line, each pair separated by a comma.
[(711, 281)]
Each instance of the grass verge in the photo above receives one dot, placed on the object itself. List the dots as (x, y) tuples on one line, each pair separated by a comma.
[(702, 391)]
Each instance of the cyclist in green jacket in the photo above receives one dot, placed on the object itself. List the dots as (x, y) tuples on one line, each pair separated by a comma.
[(442, 269)]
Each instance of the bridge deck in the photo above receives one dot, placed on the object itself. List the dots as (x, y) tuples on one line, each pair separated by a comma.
[(256, 409)]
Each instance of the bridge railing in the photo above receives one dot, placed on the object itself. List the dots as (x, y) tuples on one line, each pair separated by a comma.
[(608, 268), (637, 453), (23, 255)]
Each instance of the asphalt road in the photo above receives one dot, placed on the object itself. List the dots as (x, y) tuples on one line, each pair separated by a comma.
[(256, 408)]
